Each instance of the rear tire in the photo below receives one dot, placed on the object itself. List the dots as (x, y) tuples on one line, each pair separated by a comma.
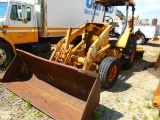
[(129, 54), (6, 55), (109, 71)]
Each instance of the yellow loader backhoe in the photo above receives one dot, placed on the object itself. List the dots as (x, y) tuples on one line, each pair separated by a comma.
[(101, 49), (67, 87)]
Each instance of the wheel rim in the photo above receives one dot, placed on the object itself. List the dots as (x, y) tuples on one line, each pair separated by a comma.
[(3, 56), (113, 73), (141, 40)]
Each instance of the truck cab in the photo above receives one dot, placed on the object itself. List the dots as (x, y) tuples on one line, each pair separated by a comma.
[(143, 22), (18, 25), (148, 31), (18, 22)]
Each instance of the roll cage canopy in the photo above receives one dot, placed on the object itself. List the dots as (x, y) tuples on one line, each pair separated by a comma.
[(115, 2)]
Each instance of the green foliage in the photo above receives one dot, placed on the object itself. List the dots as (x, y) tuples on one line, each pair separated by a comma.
[(13, 95), (153, 92), (37, 114), (146, 98), (98, 114), (145, 118), (134, 117), (29, 119), (130, 101), (28, 104), (148, 106), (156, 118), (117, 100)]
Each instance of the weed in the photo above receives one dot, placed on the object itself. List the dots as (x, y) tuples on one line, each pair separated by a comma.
[(153, 92), (29, 119), (28, 104), (104, 110), (97, 115), (13, 95), (117, 100), (37, 114), (130, 101), (134, 117), (148, 106), (156, 118), (145, 118), (146, 98)]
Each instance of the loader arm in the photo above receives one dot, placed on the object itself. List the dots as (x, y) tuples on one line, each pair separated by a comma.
[(63, 44), (95, 48)]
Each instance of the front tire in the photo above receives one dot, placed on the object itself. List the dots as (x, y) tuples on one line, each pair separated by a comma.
[(109, 71), (6, 55)]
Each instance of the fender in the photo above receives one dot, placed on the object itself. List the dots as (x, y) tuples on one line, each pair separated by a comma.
[(123, 39), (8, 40)]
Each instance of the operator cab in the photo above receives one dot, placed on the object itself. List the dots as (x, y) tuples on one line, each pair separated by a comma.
[(108, 3)]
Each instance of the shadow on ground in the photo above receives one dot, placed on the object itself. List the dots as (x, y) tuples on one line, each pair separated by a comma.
[(121, 85), (105, 113), (138, 66), (153, 44)]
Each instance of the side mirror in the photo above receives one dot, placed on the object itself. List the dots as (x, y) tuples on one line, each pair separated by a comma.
[(25, 20)]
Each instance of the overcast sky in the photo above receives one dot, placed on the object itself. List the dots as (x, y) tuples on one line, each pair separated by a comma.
[(147, 9)]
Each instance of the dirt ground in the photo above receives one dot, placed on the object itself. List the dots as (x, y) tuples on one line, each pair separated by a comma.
[(129, 99)]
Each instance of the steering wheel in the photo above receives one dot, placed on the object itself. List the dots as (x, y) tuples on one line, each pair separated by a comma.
[(108, 19)]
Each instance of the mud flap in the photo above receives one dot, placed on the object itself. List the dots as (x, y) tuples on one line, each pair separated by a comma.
[(61, 91)]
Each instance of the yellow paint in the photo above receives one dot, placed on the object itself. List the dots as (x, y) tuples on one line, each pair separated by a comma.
[(124, 38), (5, 37), (57, 33), (113, 53), (23, 37)]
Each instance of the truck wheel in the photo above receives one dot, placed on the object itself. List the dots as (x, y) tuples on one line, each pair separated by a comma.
[(141, 41), (6, 55), (109, 71), (129, 54)]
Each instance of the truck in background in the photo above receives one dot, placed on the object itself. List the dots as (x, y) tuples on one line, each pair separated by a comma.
[(30, 25), (142, 29), (149, 31)]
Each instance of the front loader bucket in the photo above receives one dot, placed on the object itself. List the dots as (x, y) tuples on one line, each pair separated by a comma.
[(61, 91)]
